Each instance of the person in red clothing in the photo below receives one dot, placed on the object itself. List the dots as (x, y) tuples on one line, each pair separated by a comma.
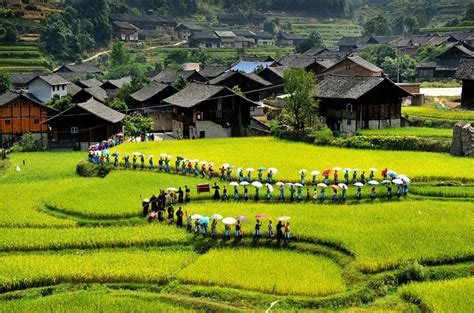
[(287, 232)]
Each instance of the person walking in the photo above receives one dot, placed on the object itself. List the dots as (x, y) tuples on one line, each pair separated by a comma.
[(300, 193), (211, 171), (359, 193), (204, 229), (335, 197), (292, 193), (287, 232), (167, 165), (389, 191), (346, 177), (354, 177), (302, 176), (270, 233), (187, 194), (281, 197), (216, 192), (279, 229), (134, 162), (179, 218), (238, 230), (236, 193), (373, 194), (170, 214), (116, 162), (214, 229), (315, 195), (222, 173), (229, 174), (362, 178), (151, 163), (322, 194), (256, 234), (249, 176), (189, 224), (313, 180), (177, 165), (260, 176), (160, 164), (344, 194), (257, 193), (270, 177), (226, 231), (336, 178), (142, 162), (180, 196), (246, 193), (269, 194), (225, 196), (197, 229)]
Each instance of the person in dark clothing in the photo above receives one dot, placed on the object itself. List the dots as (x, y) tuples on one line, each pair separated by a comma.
[(161, 213), (180, 195), (170, 214), (154, 203), (187, 194), (279, 230), (216, 196), (179, 217), (146, 207)]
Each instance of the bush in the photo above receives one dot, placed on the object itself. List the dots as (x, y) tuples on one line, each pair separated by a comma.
[(411, 272), (381, 142), (88, 169), (28, 143)]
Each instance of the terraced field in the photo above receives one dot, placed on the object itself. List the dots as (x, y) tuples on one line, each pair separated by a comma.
[(22, 59), (69, 241)]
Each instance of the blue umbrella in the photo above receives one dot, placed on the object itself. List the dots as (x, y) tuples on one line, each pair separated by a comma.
[(115, 154), (261, 168), (180, 158), (204, 220), (105, 152)]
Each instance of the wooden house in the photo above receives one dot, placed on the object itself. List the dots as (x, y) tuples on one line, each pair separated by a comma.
[(309, 63), (208, 111), (212, 71), (351, 103), (95, 92), (254, 87), (148, 101), (147, 22), (350, 44), (22, 113), (124, 31), (172, 76), (204, 39), (264, 38), (78, 71), (465, 73), (83, 125), (45, 87), (185, 31), (446, 64), (275, 76), (289, 40), (353, 66)]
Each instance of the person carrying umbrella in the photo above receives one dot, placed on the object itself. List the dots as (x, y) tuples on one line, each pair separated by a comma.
[(270, 177), (281, 197), (211, 171), (151, 163), (399, 191), (154, 204), (204, 228), (226, 231), (236, 193), (362, 178), (313, 180), (389, 190), (373, 193), (214, 229), (179, 218), (269, 193), (222, 174), (246, 193), (346, 177), (344, 194), (279, 230), (197, 228), (335, 197), (189, 224), (256, 234), (257, 193), (249, 176), (203, 170), (107, 159), (145, 207), (238, 230), (134, 162), (308, 195), (167, 165), (270, 234), (405, 188), (187, 194), (371, 175), (190, 167), (260, 175), (322, 194), (292, 193), (229, 173), (183, 167), (216, 192), (116, 162), (102, 160), (326, 177), (196, 169), (160, 164), (336, 178), (225, 196), (241, 176), (302, 176), (359, 193), (176, 164), (142, 161), (170, 214), (287, 232), (315, 195), (300, 193), (354, 177)]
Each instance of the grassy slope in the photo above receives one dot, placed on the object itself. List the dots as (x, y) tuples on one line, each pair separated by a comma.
[(410, 131)]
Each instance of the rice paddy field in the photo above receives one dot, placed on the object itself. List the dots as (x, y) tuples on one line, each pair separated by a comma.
[(410, 131), (75, 244)]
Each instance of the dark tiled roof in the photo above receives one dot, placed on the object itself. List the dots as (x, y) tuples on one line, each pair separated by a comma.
[(193, 94), (353, 41), (289, 36), (385, 39), (52, 79), (149, 91), (192, 27), (279, 70), (82, 68), (300, 61), (251, 76), (98, 93), (347, 87), (212, 71), (22, 78), (363, 63), (264, 35), (90, 82), (465, 69), (256, 58), (118, 83), (244, 33), (10, 96), (171, 76), (205, 34), (140, 18), (125, 25), (72, 89), (101, 110)]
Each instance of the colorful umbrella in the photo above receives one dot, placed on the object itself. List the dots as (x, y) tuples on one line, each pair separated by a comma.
[(171, 189), (261, 216), (279, 184), (327, 172), (397, 181), (343, 186), (322, 185), (180, 158), (234, 183), (392, 173), (115, 154), (105, 152), (196, 216), (261, 168), (359, 184), (336, 187), (273, 170), (337, 168), (244, 183), (257, 184), (249, 169), (216, 216), (284, 218), (242, 218), (373, 182), (298, 185), (204, 220), (229, 220), (315, 173)]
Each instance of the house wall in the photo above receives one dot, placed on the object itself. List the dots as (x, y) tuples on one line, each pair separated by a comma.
[(161, 121), (212, 130), (41, 90), (351, 69), (467, 98), (266, 42)]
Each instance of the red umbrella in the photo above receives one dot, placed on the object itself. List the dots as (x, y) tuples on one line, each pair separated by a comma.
[(261, 216), (335, 187), (327, 172), (384, 171)]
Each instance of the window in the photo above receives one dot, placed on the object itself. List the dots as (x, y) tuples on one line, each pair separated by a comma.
[(348, 66), (349, 122), (74, 130), (219, 114), (202, 134), (8, 122), (36, 121), (64, 87)]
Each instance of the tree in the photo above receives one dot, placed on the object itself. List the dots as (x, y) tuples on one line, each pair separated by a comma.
[(118, 105), (314, 40), (469, 15), (5, 83), (377, 26), (269, 26), (302, 106), (137, 125), (238, 91), (8, 33), (125, 92), (176, 57), (401, 66), (180, 83), (119, 56), (60, 104), (429, 53), (377, 53)]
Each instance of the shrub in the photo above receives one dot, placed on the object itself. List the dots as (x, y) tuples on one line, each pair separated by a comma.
[(28, 143), (382, 142), (411, 272), (87, 169)]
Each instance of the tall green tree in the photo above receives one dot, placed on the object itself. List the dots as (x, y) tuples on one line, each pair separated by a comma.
[(313, 40), (137, 125), (5, 83), (118, 55), (377, 26), (401, 68), (302, 107)]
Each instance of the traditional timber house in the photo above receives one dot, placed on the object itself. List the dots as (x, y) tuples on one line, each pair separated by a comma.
[(275, 76), (78, 71), (351, 103), (95, 92), (465, 73), (289, 40), (446, 65), (185, 31), (22, 113), (309, 63), (265, 39), (148, 101), (349, 44), (207, 111), (83, 125), (125, 31), (410, 45), (212, 71), (254, 87), (204, 39), (45, 87), (353, 66), (172, 76), (146, 22), (88, 83)]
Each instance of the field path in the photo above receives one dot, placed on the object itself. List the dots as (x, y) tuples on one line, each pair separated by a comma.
[(95, 56)]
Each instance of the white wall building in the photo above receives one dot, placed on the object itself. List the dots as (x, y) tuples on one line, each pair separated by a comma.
[(46, 87)]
